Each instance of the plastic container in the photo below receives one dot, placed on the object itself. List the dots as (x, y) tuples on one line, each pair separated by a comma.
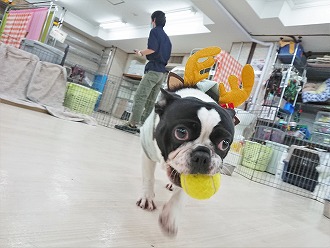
[(80, 99), (99, 84), (268, 133), (289, 108), (256, 156), (326, 209), (286, 56), (301, 170), (280, 166), (323, 117), (277, 157)]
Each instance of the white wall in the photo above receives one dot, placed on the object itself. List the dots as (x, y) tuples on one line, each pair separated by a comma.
[(119, 63)]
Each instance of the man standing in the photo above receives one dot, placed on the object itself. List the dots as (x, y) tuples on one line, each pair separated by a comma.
[(158, 53)]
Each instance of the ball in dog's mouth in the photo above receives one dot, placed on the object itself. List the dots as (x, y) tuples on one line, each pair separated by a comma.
[(198, 186)]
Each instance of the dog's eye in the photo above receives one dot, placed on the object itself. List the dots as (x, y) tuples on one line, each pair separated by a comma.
[(181, 133), (223, 145)]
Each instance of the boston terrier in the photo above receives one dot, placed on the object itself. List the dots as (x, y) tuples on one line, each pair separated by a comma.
[(187, 132)]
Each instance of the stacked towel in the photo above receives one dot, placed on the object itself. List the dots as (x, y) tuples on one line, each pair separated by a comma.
[(16, 70), (48, 84)]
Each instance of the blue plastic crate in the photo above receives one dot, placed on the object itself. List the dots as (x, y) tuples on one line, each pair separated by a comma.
[(286, 56), (99, 84)]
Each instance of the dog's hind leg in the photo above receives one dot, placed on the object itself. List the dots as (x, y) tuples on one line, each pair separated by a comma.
[(168, 219), (148, 181)]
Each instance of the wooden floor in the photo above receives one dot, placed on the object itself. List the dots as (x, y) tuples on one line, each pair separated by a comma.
[(67, 184)]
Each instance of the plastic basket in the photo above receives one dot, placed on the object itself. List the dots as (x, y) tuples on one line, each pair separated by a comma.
[(256, 156), (278, 150), (80, 99)]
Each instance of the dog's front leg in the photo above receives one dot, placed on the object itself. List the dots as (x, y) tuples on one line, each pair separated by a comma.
[(148, 177), (168, 218)]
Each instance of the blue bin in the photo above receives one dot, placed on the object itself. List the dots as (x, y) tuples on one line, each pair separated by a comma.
[(286, 57), (99, 84), (289, 108)]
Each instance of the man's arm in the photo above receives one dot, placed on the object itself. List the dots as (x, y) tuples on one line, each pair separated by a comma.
[(143, 52)]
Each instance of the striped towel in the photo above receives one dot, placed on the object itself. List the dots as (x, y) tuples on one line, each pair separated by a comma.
[(226, 66), (16, 28)]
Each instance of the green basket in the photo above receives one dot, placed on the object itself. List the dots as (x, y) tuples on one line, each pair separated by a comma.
[(80, 99), (256, 156)]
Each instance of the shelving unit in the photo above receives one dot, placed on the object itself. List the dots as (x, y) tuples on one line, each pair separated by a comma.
[(318, 73), (321, 128), (276, 106)]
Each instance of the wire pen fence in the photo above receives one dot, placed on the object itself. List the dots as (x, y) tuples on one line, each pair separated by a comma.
[(283, 157)]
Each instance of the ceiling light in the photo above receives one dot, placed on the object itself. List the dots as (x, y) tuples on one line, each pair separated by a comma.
[(116, 2), (180, 13), (113, 24)]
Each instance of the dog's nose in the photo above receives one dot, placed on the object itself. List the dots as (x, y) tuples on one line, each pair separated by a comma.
[(200, 160)]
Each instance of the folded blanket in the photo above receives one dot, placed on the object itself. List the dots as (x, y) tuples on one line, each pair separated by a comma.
[(48, 84), (16, 70), (322, 94), (314, 88), (310, 86)]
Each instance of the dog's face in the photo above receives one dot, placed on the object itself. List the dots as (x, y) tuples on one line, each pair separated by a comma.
[(193, 134)]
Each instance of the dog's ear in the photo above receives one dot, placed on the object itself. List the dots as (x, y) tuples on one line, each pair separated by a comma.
[(174, 81), (232, 113), (165, 98)]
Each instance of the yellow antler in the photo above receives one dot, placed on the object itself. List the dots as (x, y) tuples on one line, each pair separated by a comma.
[(237, 95), (193, 68)]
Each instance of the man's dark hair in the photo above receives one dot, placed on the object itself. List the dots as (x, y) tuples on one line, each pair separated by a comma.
[(160, 18)]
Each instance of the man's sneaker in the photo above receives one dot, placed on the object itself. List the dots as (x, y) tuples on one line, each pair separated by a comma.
[(128, 128)]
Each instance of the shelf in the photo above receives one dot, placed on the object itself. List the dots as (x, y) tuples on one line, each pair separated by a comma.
[(327, 134), (320, 123), (313, 107), (128, 87), (317, 72), (129, 100)]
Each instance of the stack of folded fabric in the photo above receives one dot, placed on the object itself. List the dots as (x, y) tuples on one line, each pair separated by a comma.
[(316, 92), (320, 61)]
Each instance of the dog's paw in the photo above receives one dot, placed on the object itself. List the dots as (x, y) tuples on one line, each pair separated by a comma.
[(167, 222), (146, 203), (169, 186)]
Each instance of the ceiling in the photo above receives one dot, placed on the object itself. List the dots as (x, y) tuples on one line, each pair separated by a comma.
[(220, 22)]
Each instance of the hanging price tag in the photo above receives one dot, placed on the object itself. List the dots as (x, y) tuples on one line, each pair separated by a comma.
[(58, 34)]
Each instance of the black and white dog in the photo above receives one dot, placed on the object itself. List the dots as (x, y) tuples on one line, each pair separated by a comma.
[(188, 132)]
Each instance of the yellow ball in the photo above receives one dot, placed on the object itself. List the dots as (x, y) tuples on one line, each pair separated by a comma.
[(200, 186)]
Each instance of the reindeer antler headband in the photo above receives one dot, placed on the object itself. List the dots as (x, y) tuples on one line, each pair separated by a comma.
[(204, 59)]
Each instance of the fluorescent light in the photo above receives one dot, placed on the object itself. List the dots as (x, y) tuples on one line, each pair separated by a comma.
[(113, 24), (180, 13)]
